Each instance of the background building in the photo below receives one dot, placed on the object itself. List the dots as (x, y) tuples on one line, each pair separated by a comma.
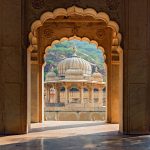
[(75, 89)]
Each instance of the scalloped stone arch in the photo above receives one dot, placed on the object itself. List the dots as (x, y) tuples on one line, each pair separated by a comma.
[(59, 12), (87, 13)]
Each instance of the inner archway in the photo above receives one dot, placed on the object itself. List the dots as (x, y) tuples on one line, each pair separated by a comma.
[(75, 76), (87, 23)]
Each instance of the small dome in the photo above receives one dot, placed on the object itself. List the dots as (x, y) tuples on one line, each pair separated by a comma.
[(97, 75), (50, 75)]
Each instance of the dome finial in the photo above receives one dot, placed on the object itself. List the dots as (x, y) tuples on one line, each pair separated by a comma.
[(96, 69), (74, 50), (52, 69)]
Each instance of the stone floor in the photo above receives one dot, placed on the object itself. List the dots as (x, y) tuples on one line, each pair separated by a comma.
[(74, 136)]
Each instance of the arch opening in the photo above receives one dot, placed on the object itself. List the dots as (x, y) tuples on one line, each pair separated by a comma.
[(70, 64), (44, 32)]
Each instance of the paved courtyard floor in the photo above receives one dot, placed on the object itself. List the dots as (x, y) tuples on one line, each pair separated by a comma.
[(57, 135)]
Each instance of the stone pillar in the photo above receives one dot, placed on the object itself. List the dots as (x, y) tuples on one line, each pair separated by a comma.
[(121, 92), (34, 92), (115, 93), (66, 95), (43, 93), (47, 93), (29, 87), (50, 96), (49, 99), (58, 94), (41, 89), (13, 69), (91, 94), (136, 68), (100, 97), (68, 91)]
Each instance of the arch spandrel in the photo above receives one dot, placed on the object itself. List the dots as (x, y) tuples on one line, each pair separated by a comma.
[(66, 22), (102, 36), (86, 25)]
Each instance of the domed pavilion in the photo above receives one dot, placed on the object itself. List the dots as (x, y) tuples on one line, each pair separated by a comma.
[(75, 84)]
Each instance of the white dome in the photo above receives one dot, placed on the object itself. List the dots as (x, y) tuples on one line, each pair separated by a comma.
[(74, 63), (97, 75), (50, 76)]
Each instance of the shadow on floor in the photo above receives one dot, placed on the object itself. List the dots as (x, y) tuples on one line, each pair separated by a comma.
[(98, 141)]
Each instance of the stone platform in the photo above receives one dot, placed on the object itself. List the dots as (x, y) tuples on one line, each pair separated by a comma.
[(75, 115)]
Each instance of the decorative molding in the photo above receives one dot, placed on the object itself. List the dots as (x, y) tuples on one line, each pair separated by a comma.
[(74, 11), (75, 29), (48, 32), (113, 4), (38, 4), (71, 11), (100, 33)]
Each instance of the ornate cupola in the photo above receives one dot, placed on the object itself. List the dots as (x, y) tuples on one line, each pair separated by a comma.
[(51, 75), (74, 64), (97, 75)]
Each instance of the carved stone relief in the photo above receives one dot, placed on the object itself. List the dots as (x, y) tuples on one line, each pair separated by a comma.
[(75, 29), (48, 32), (38, 4), (100, 33), (112, 4)]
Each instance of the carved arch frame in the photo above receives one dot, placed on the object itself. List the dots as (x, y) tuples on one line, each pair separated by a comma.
[(91, 13)]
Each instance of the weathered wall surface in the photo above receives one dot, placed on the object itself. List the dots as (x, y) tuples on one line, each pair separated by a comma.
[(12, 70), (136, 65), (35, 8), (133, 19)]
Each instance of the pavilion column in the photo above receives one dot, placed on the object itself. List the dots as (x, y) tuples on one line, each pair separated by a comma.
[(68, 91), (66, 95), (48, 94), (34, 92), (92, 94), (100, 97), (92, 97), (54, 97), (81, 94), (58, 94)]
